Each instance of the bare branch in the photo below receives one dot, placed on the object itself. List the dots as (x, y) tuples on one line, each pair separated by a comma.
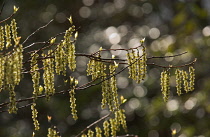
[(36, 31)]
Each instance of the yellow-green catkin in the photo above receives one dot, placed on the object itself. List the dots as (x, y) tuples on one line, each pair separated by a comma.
[(9, 79), (178, 74), (8, 36), (98, 131), (130, 61), (17, 63), (12, 100), (14, 31), (165, 87), (48, 76), (191, 78), (2, 67), (185, 79), (53, 133), (138, 68), (90, 133), (106, 127), (84, 135), (137, 64), (70, 48), (114, 127), (13, 66), (95, 67), (143, 64), (73, 104), (34, 116), (113, 88), (105, 91), (120, 118), (60, 59), (71, 56), (35, 75), (1, 37)]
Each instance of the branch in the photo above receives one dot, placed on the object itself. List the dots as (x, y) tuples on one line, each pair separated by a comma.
[(36, 31), (7, 18), (127, 135), (2, 7), (153, 57), (171, 66)]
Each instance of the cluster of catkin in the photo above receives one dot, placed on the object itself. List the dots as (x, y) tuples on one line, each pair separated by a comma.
[(54, 61), (183, 80), (137, 64), (10, 62)]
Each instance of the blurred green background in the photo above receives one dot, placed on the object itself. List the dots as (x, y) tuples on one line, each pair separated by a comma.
[(169, 26)]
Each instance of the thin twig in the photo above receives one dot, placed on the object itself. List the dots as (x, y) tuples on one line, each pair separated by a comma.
[(36, 31), (171, 66), (7, 18), (127, 135), (2, 7), (154, 57)]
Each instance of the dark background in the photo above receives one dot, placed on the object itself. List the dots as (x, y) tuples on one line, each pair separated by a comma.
[(169, 26)]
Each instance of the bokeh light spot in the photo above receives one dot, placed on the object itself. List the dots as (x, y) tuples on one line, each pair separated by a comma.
[(154, 33), (206, 31), (134, 103), (114, 38), (84, 12), (88, 2), (172, 105), (147, 8), (122, 82), (60, 17), (139, 91), (190, 103)]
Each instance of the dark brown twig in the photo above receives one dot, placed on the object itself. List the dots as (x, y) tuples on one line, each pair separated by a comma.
[(36, 32)]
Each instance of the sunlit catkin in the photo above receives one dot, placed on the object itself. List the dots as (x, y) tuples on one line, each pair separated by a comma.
[(178, 74), (53, 133), (48, 76), (105, 91), (106, 127), (17, 63), (113, 87), (191, 78), (113, 126), (1, 37), (98, 132), (165, 87), (130, 61), (71, 56), (90, 133), (12, 100), (70, 48), (122, 118), (8, 36), (143, 64), (60, 59), (73, 104), (35, 75), (185, 79), (137, 64), (2, 67), (14, 31), (34, 116)]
